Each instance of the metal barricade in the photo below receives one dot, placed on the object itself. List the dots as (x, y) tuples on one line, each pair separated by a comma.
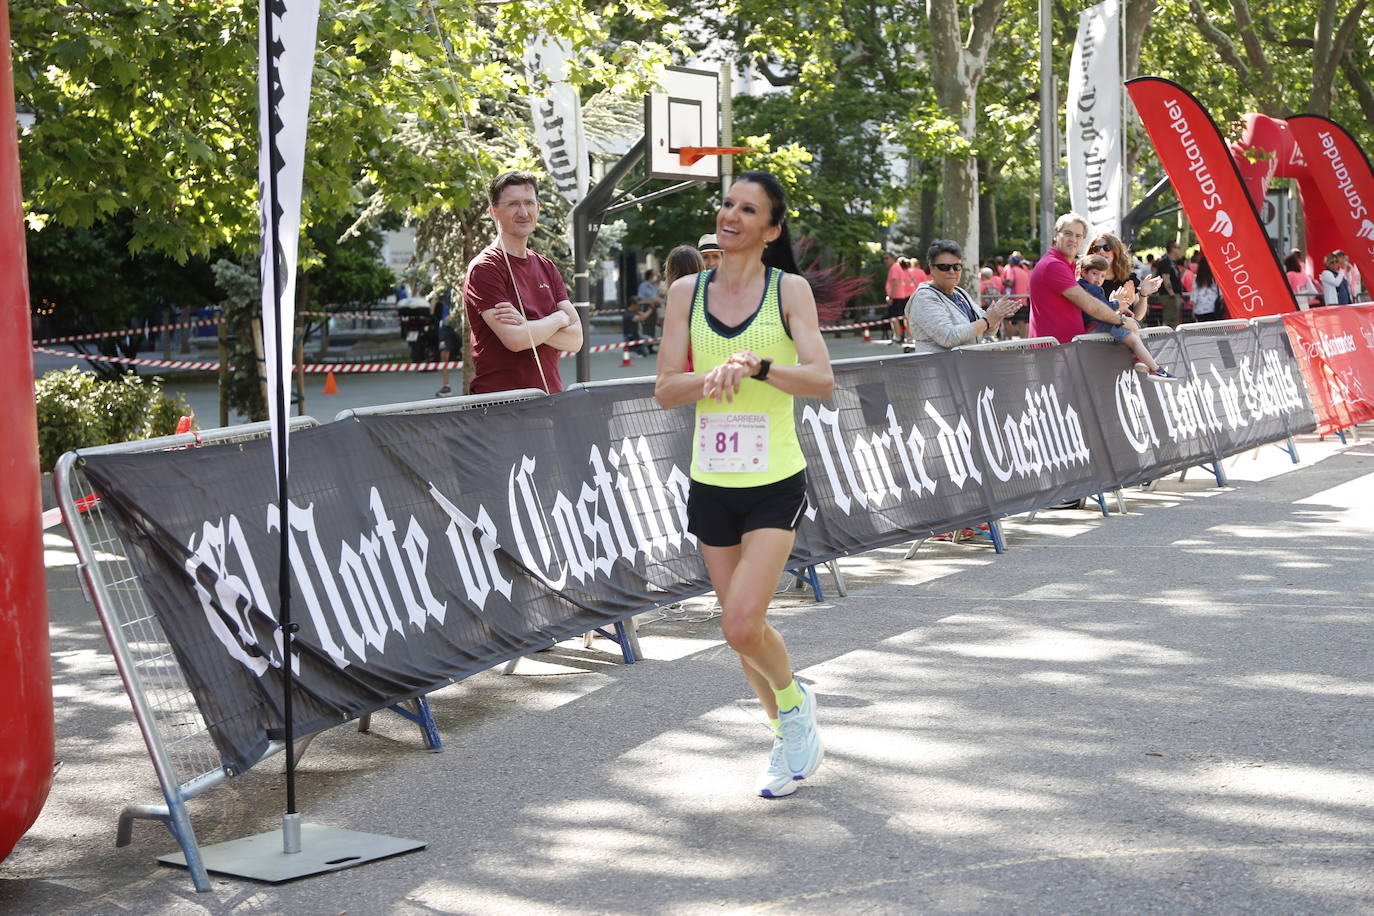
[(176, 734), (805, 576), (1020, 343)]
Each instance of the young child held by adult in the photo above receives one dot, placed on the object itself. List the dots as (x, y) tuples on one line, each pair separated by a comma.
[(1092, 270)]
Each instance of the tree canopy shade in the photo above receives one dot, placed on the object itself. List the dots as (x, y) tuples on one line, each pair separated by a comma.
[(150, 109)]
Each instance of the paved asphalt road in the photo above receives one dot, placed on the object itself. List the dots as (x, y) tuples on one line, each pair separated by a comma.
[(1163, 712)]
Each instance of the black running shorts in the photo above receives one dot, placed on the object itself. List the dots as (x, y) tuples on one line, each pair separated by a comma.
[(719, 516)]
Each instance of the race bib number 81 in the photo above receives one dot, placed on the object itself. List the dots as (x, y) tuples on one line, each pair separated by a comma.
[(732, 443)]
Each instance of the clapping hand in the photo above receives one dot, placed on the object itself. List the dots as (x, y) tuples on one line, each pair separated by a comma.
[(1151, 285)]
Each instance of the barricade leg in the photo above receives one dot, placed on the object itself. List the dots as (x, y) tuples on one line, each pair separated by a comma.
[(807, 576), (423, 717), (173, 816), (1101, 500), (1291, 448), (834, 566), (915, 545), (620, 636), (1120, 501)]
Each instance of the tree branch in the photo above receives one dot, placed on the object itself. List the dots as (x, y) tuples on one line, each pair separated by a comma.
[(1221, 41), (1354, 74), (774, 78), (1245, 26)]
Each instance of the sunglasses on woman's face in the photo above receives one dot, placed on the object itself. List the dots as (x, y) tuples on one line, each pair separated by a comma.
[(948, 267), (1104, 247)]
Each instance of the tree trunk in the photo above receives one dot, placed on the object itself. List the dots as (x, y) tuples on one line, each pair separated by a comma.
[(987, 209), (957, 69)]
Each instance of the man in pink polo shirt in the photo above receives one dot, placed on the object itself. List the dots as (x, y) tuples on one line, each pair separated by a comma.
[(1058, 303)]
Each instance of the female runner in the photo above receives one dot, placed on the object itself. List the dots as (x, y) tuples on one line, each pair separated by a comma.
[(755, 344)]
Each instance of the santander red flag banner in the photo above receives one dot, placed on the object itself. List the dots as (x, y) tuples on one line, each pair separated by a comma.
[(1210, 189), (1335, 351), (1341, 172)]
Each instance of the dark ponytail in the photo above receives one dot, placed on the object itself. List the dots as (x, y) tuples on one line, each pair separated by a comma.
[(778, 252)]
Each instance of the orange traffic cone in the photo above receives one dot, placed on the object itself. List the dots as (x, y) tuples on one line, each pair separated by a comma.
[(868, 335), (625, 357), (329, 386)]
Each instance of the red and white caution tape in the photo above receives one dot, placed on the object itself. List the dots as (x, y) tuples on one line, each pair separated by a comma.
[(133, 360), (127, 332), (317, 368)]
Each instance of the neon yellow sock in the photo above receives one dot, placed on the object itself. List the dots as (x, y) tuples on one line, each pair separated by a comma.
[(777, 726), (789, 697)]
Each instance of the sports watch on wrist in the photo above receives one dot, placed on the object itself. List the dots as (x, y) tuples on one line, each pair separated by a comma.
[(764, 365)]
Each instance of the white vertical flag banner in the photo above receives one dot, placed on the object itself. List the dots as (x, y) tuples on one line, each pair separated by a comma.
[(1093, 120), (284, 72), (557, 118)]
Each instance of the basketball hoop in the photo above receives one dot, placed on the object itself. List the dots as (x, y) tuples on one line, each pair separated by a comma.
[(689, 155)]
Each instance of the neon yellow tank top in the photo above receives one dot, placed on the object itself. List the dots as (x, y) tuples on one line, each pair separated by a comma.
[(766, 334)]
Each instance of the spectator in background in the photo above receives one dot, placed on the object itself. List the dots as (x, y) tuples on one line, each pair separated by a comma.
[(1016, 281), (519, 316), (918, 276), (989, 285), (644, 312), (1058, 304), (681, 261), (1170, 295), (1189, 274), (898, 288), (1304, 288), (1144, 269), (710, 251), (1119, 276), (1352, 277), (1335, 287), (1207, 302), (941, 315), (441, 303)]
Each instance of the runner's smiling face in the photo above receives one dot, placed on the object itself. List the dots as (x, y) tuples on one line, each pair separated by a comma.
[(745, 218)]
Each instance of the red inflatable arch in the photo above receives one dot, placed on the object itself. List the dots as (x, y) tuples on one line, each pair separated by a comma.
[(26, 724)]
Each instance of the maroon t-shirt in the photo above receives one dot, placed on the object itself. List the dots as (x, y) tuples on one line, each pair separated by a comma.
[(488, 285)]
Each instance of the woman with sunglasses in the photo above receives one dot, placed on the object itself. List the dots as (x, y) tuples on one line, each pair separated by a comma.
[(1119, 276), (941, 315)]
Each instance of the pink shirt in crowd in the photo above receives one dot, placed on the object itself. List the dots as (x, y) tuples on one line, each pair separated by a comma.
[(1017, 279), (1052, 314), (899, 283)]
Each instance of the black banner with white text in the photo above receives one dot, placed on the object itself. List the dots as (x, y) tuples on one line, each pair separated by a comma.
[(428, 547)]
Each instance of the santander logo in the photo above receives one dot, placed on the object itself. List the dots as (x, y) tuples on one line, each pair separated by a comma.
[(1222, 224), (1366, 230)]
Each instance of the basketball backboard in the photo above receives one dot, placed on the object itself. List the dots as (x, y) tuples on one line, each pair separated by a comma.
[(685, 113)]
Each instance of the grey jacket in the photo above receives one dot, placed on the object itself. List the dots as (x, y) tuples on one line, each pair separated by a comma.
[(936, 324)]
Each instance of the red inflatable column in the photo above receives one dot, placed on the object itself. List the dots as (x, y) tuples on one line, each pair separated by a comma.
[(26, 727)]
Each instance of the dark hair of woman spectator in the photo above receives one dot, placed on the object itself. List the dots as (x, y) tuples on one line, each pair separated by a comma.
[(1115, 253), (681, 261)]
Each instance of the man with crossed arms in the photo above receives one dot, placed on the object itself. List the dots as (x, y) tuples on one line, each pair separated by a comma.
[(517, 304)]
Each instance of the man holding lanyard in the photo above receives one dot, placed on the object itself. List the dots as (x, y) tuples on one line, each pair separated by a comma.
[(517, 304)]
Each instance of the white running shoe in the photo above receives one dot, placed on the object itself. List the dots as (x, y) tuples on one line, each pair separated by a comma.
[(776, 780), (800, 740)]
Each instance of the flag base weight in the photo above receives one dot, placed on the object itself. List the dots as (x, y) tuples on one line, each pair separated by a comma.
[(322, 849)]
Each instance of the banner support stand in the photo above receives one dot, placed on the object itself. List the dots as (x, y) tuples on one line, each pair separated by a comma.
[(296, 850)]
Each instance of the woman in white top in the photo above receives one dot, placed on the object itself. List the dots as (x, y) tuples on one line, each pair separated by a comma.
[(1332, 280), (941, 315)]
